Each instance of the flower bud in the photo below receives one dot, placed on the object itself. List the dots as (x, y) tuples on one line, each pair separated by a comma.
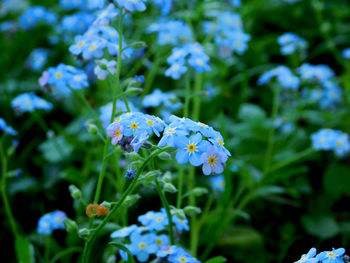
[(106, 205), (138, 44), (74, 192), (179, 213), (70, 225), (199, 191), (192, 210), (167, 177), (170, 188), (131, 200), (84, 233), (165, 156)]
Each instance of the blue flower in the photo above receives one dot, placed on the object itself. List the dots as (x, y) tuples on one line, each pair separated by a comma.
[(147, 218), (124, 232), (115, 131), (166, 251), (323, 139), (176, 70), (105, 17), (346, 53), (159, 221), (104, 67), (29, 102), (162, 240), (290, 43), (181, 256), (130, 174), (218, 183), (164, 5), (284, 77), (309, 257), (143, 245), (315, 73), (181, 224), (333, 256), (37, 59), (35, 15), (51, 221), (132, 5), (190, 149), (213, 161), (7, 129), (138, 141)]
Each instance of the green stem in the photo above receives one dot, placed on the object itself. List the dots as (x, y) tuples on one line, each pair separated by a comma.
[(292, 159), (179, 186), (119, 66), (64, 253), (47, 249), (197, 99), (45, 128), (187, 94), (92, 238), (115, 93), (271, 134), (7, 206), (167, 209), (90, 109)]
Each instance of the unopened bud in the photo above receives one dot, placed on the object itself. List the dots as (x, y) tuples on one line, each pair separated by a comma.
[(74, 192), (179, 213), (164, 156), (106, 205), (199, 191), (167, 177), (131, 200), (70, 225), (192, 210), (84, 233), (138, 44), (170, 188)]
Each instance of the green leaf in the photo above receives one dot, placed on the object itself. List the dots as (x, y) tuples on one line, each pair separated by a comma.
[(336, 180), (56, 149), (323, 227), (122, 247), (251, 113), (24, 250), (268, 190), (218, 259), (240, 236)]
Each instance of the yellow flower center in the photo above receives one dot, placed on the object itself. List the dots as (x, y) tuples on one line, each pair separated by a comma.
[(133, 126), (117, 133), (222, 183), (339, 142), (58, 75), (142, 245), (182, 259), (160, 219), (150, 123), (159, 242), (117, 120), (202, 124), (58, 220), (220, 142), (168, 251), (331, 255), (191, 147), (212, 160), (81, 43), (93, 47), (170, 131)]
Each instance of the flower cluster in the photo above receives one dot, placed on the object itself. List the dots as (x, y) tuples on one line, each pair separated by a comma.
[(334, 256), (197, 143), (327, 139), (81, 4), (327, 93), (164, 5), (132, 5), (30, 102), (228, 33), (106, 111), (173, 32), (76, 23), (6, 128), (63, 78), (193, 54), (174, 254), (284, 77), (35, 15), (131, 130), (145, 240), (167, 100), (51, 221), (290, 43)]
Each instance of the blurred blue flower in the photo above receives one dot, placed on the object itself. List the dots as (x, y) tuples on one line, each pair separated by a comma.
[(35, 15), (283, 75), (6, 128), (30, 102), (218, 182), (333, 256), (290, 43), (51, 221), (309, 257), (132, 5)]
